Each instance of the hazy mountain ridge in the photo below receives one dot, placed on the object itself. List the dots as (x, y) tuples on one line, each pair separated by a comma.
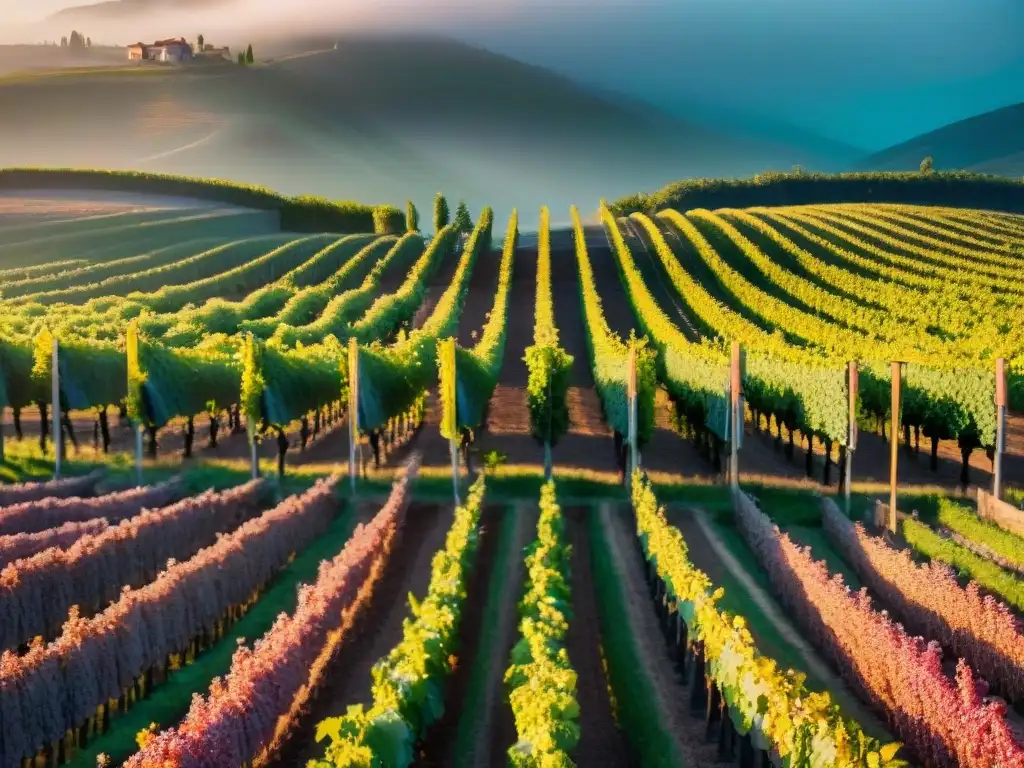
[(992, 142)]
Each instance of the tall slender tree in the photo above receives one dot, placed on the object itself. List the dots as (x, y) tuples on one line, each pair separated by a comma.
[(463, 221), (248, 54), (412, 217), (200, 39), (441, 214)]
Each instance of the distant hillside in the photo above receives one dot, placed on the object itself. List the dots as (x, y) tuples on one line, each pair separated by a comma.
[(122, 9), (376, 119), (991, 143)]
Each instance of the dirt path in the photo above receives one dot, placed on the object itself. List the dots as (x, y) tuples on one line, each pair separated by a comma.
[(474, 692), (435, 749), (710, 543), (601, 741), (378, 632), (658, 668), (508, 417), (498, 727), (588, 443)]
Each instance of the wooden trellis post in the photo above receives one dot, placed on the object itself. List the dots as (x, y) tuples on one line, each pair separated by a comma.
[(894, 441), (55, 395), (631, 398), (851, 441), (735, 413), (353, 409), (997, 459), (138, 454), (448, 358)]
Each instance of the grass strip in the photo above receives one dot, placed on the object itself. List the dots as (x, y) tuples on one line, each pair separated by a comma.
[(986, 574), (171, 700), (474, 705), (634, 692)]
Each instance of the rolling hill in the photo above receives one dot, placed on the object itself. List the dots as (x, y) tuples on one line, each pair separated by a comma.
[(992, 142), (377, 119)]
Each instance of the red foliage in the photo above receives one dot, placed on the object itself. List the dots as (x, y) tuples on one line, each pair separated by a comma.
[(240, 716), (945, 722), (929, 599), (19, 493), (21, 545), (39, 515), (36, 593), (56, 687)]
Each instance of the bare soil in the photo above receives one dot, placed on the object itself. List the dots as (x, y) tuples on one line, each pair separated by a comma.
[(601, 741), (378, 632), (438, 748), (658, 667)]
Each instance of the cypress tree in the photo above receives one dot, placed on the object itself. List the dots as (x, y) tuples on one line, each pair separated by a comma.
[(463, 221), (248, 54), (441, 215), (412, 217)]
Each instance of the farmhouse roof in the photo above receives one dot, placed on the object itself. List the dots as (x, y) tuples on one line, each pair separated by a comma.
[(172, 41)]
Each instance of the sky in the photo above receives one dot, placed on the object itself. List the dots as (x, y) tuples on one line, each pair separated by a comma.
[(869, 73)]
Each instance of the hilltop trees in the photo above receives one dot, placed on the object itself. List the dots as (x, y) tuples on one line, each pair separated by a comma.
[(201, 39), (441, 215), (412, 217), (463, 222), (248, 54), (927, 165)]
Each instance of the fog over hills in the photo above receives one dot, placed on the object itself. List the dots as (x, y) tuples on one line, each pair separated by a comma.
[(377, 119)]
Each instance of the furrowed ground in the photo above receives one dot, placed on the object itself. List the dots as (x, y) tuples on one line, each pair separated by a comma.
[(573, 616)]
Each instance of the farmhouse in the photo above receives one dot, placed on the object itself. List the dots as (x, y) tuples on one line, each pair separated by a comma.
[(162, 50)]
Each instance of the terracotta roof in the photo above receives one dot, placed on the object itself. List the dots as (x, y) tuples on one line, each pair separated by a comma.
[(173, 41)]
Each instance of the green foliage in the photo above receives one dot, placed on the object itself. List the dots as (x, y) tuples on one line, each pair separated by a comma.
[(323, 310), (391, 311), (412, 217), (441, 214), (392, 379), (241, 59), (213, 372), (248, 55), (927, 165), (281, 386), (388, 220), (609, 355), (549, 366), (695, 375), (986, 574), (772, 705), (407, 690), (305, 213), (941, 394), (954, 188), (462, 221), (963, 520), (92, 373), (468, 376), (540, 680)]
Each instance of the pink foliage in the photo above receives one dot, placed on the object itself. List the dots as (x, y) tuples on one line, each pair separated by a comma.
[(945, 722), (930, 600), (239, 717), (20, 493), (36, 593), (96, 659), (21, 545), (41, 514)]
